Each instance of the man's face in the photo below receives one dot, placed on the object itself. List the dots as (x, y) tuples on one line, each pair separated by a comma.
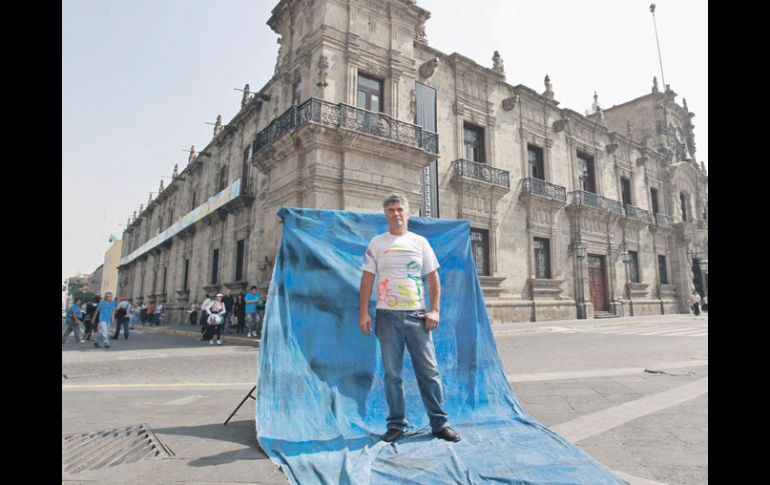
[(108, 298), (397, 215)]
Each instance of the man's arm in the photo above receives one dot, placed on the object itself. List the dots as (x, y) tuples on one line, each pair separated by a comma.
[(432, 317), (364, 320)]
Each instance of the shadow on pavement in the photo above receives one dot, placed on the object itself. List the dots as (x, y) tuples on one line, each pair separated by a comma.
[(240, 432)]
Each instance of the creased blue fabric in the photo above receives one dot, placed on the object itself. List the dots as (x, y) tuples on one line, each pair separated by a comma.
[(321, 405)]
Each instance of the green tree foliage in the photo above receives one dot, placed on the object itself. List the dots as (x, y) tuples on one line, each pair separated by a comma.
[(77, 290)]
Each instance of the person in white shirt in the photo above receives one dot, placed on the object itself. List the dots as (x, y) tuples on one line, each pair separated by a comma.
[(695, 302), (400, 259)]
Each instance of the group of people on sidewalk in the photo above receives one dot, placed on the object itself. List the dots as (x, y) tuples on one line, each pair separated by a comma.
[(225, 312), (98, 315)]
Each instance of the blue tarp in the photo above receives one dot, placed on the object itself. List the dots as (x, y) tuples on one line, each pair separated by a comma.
[(321, 405)]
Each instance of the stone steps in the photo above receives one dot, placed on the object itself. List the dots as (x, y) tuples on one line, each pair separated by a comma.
[(605, 315)]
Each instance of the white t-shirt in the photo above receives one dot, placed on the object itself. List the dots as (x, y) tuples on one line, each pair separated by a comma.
[(400, 262)]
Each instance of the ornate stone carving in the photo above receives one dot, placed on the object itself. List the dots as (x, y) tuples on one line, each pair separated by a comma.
[(176, 171), (560, 125), (497, 63), (420, 34), (412, 104), (193, 155), (510, 103), (218, 125), (428, 68), (548, 88), (323, 71), (160, 189), (246, 95), (655, 88), (629, 131)]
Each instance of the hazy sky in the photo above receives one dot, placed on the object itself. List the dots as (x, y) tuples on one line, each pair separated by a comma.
[(140, 78)]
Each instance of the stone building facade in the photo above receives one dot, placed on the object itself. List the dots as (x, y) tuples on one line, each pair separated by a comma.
[(572, 215)]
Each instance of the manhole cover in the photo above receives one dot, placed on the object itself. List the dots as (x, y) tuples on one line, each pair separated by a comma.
[(91, 451)]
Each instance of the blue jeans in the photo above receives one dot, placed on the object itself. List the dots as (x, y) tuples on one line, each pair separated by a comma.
[(121, 321), (394, 329), (104, 333)]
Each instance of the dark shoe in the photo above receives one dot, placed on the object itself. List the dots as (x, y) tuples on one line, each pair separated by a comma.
[(97, 345), (392, 435), (447, 434), (106, 346)]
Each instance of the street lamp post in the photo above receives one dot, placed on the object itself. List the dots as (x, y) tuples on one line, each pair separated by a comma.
[(580, 254)]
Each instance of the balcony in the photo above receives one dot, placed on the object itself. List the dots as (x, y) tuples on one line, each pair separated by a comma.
[(663, 220), (465, 170), (637, 214), (587, 199), (541, 188), (350, 118)]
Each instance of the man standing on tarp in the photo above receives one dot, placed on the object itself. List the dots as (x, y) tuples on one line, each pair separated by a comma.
[(401, 258)]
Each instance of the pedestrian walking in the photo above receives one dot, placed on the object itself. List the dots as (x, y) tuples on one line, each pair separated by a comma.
[(150, 314), (105, 314), (74, 320), (193, 313), (216, 312), (122, 318), (401, 259), (695, 302), (89, 317), (205, 315), (240, 313), (229, 302), (252, 316)]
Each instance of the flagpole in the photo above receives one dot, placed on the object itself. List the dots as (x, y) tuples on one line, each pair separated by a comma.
[(660, 59)]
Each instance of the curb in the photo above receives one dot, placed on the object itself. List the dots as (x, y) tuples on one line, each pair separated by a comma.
[(197, 335)]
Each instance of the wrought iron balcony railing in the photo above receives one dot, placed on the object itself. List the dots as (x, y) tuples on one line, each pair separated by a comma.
[(541, 188), (638, 214), (350, 118), (664, 220), (481, 171), (581, 197)]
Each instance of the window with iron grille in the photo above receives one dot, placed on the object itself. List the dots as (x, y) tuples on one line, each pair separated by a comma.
[(654, 199), (369, 93), (296, 93), (683, 202), (625, 190), (186, 282), (215, 267), (633, 266), (222, 178), (239, 254), (473, 138), (662, 269), (480, 249), (535, 157), (585, 166), (164, 281), (542, 258)]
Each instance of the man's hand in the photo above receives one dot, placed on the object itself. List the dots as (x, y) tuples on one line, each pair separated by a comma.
[(431, 320), (365, 324)]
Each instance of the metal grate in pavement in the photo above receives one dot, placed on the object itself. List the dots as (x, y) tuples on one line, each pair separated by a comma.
[(91, 451)]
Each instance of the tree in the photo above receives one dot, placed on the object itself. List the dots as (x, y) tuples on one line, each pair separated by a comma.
[(79, 289)]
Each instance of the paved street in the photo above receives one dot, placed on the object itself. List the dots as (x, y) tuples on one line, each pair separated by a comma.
[(631, 392)]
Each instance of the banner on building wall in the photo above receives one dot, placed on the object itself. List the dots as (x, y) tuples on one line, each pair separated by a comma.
[(213, 203), (426, 117)]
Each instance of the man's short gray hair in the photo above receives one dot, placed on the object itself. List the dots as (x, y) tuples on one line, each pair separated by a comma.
[(393, 198)]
